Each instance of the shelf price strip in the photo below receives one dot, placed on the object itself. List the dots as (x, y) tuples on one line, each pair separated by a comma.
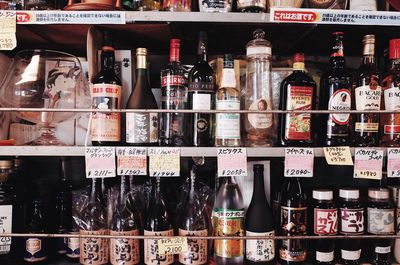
[(131, 161), (164, 161), (174, 245), (100, 162), (338, 156), (393, 162), (299, 162), (8, 26), (71, 17), (368, 163), (232, 162)]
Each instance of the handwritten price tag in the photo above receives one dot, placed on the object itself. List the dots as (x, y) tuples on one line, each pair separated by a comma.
[(299, 162), (340, 155), (368, 163), (131, 161), (100, 162), (232, 162), (8, 26), (393, 162), (164, 161), (174, 245)]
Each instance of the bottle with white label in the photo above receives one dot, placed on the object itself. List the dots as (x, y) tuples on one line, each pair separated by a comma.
[(6, 212), (228, 98), (364, 5), (35, 247)]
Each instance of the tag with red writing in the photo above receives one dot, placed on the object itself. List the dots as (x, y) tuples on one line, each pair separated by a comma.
[(232, 162), (299, 162), (368, 163), (100, 162), (131, 161), (325, 221), (164, 161)]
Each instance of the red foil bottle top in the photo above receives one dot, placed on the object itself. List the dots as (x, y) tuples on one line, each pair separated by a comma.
[(174, 49), (394, 49), (338, 33), (298, 58)]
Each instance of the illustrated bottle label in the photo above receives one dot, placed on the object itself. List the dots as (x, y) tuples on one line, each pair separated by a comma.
[(228, 223), (380, 221), (260, 250), (73, 250), (350, 255), (124, 251), (141, 128), (382, 250), (94, 251), (352, 221), (392, 102), (325, 221), (35, 249), (198, 248), (298, 126), (151, 255), (106, 126), (228, 124), (340, 100), (5, 227), (368, 97), (324, 256), (260, 120)]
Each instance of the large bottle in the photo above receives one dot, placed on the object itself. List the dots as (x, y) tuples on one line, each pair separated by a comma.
[(259, 222), (227, 131), (228, 220), (157, 224), (201, 97), (106, 94), (293, 223), (367, 96), (336, 84), (390, 123), (6, 212), (174, 97), (141, 128), (297, 93), (35, 247)]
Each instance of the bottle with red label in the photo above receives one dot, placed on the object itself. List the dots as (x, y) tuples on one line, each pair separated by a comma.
[(335, 95), (390, 123), (297, 93)]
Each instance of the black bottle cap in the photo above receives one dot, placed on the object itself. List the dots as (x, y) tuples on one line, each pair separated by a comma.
[(258, 167), (107, 38), (202, 35)]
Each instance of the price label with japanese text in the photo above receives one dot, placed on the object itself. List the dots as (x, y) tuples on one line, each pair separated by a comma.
[(8, 26), (299, 162), (100, 162), (174, 245), (393, 162), (164, 161), (339, 155), (232, 162), (368, 163), (131, 161)]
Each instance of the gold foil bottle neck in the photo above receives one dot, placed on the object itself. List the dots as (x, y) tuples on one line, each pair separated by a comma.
[(141, 62), (369, 45)]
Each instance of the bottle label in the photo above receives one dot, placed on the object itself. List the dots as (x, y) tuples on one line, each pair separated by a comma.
[(213, 5), (141, 128), (382, 250), (363, 5), (106, 126), (35, 249), (340, 100), (201, 102), (228, 124), (325, 221), (392, 98), (94, 251), (5, 227), (124, 251), (172, 80), (228, 78), (228, 223), (325, 256), (350, 255), (173, 92), (259, 250), (392, 102), (368, 97), (391, 129), (201, 86), (298, 126), (151, 255), (73, 250), (352, 221), (251, 3), (294, 220), (198, 248), (380, 221), (259, 120), (366, 127), (293, 250)]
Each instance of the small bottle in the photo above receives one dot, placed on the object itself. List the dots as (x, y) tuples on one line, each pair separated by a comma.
[(252, 6), (6, 212), (35, 247), (219, 6), (177, 5)]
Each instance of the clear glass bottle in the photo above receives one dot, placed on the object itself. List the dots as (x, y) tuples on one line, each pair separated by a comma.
[(220, 6), (258, 94)]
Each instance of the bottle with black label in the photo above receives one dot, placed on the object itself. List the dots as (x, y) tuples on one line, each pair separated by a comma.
[(6, 212), (35, 247)]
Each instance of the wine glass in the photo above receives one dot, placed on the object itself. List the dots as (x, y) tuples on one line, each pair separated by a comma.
[(45, 79)]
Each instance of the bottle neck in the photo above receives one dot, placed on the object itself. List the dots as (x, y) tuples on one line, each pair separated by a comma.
[(228, 78), (258, 187), (394, 65), (156, 191), (368, 60), (174, 55), (202, 51), (95, 195), (298, 67), (107, 59), (338, 62), (123, 189)]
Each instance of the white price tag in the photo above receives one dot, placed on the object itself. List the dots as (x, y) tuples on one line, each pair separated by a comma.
[(8, 26), (339, 155), (71, 17), (368, 163), (232, 162), (299, 162), (131, 161), (174, 245), (100, 162), (393, 162), (164, 161)]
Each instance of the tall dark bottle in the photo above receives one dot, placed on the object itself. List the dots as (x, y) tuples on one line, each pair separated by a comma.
[(297, 93), (259, 222), (7, 215), (141, 128), (335, 95), (201, 97), (367, 96), (35, 247), (106, 95)]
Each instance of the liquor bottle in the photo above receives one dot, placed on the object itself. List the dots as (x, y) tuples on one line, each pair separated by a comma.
[(177, 5), (259, 222), (6, 212), (220, 6), (297, 93), (336, 84), (367, 96), (174, 96), (293, 223), (142, 5), (73, 245), (227, 131), (157, 224), (124, 223), (35, 247), (106, 94), (201, 97), (228, 220), (390, 123), (258, 95), (194, 222), (94, 222), (141, 128), (252, 6)]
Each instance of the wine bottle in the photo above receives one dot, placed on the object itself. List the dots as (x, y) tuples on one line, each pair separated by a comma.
[(201, 97), (141, 128), (259, 222), (106, 94), (6, 212), (73, 244)]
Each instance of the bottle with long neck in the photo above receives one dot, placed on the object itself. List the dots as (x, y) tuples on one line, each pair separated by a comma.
[(259, 222), (228, 98), (73, 248), (7, 214), (35, 248), (367, 96), (201, 97), (106, 92), (335, 95)]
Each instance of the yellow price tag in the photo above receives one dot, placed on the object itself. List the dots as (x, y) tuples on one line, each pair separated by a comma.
[(340, 156), (173, 245), (368, 174), (8, 26)]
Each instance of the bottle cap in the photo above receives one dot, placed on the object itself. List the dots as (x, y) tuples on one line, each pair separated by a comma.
[(17, 162), (175, 43), (107, 38), (228, 60), (394, 49), (322, 195), (338, 33), (349, 194), (258, 167), (202, 35), (259, 46), (298, 58), (379, 194), (6, 164), (141, 51), (369, 39)]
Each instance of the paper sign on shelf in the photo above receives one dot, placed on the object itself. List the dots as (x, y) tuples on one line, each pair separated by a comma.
[(8, 26), (131, 161), (393, 162), (299, 162), (368, 163), (232, 162), (164, 161), (70, 17), (100, 162), (339, 155), (173, 245)]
